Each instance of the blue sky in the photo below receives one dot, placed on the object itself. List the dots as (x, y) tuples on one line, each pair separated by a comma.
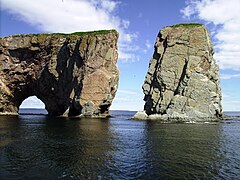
[(138, 23)]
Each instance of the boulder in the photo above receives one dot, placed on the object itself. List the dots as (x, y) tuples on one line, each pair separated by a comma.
[(140, 115)]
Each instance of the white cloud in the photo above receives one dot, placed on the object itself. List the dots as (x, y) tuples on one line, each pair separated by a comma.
[(229, 76), (126, 24), (129, 37), (148, 44), (126, 49), (126, 91), (74, 15), (127, 52), (108, 5), (127, 57), (224, 95), (231, 105), (63, 16), (128, 100), (225, 15), (188, 10)]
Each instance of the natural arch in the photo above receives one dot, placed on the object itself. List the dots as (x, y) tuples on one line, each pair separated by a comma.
[(71, 74)]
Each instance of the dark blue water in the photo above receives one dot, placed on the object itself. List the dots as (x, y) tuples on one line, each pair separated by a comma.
[(42, 147)]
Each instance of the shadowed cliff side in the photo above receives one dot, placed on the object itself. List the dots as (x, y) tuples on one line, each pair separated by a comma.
[(72, 74), (182, 81)]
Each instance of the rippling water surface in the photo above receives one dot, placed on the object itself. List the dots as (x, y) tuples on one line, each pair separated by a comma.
[(41, 147)]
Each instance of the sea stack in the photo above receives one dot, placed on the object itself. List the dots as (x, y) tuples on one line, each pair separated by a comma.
[(72, 74), (182, 82)]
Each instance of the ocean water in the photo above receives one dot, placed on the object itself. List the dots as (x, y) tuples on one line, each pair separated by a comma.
[(42, 147)]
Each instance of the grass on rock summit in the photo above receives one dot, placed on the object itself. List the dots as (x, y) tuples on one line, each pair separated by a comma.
[(187, 25), (99, 32)]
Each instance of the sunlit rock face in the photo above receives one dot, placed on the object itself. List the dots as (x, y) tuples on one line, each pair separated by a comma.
[(72, 74), (182, 81)]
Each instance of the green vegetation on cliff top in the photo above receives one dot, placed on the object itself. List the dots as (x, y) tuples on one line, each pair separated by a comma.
[(187, 25), (81, 33), (92, 32)]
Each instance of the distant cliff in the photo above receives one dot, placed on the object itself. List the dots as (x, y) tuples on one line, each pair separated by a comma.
[(72, 74), (182, 81)]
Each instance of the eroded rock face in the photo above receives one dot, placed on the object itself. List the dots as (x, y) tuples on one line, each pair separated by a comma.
[(182, 81), (74, 74)]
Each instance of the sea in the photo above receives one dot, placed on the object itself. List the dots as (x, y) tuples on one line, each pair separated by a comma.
[(36, 146)]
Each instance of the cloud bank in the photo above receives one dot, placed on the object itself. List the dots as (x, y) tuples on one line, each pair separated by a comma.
[(73, 15), (224, 15)]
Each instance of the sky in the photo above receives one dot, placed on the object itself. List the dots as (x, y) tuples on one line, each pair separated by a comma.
[(138, 23)]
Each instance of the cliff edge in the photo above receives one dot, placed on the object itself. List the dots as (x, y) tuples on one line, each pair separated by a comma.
[(182, 81), (72, 74)]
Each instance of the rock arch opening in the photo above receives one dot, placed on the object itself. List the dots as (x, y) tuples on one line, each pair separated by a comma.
[(32, 105)]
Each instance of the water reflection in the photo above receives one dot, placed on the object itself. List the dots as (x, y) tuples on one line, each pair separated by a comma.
[(8, 125), (41, 147), (184, 149), (129, 142)]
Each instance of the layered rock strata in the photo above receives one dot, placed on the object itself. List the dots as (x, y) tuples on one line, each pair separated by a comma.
[(72, 74), (182, 81)]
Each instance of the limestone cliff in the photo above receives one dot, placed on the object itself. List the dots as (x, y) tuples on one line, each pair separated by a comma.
[(72, 74), (182, 81)]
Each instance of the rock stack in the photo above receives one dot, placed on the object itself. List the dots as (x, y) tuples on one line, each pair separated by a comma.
[(182, 82)]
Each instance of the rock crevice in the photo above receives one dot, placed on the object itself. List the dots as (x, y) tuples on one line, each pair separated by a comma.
[(72, 74)]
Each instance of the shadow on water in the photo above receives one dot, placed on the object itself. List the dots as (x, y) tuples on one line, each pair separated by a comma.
[(42, 147), (58, 147)]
